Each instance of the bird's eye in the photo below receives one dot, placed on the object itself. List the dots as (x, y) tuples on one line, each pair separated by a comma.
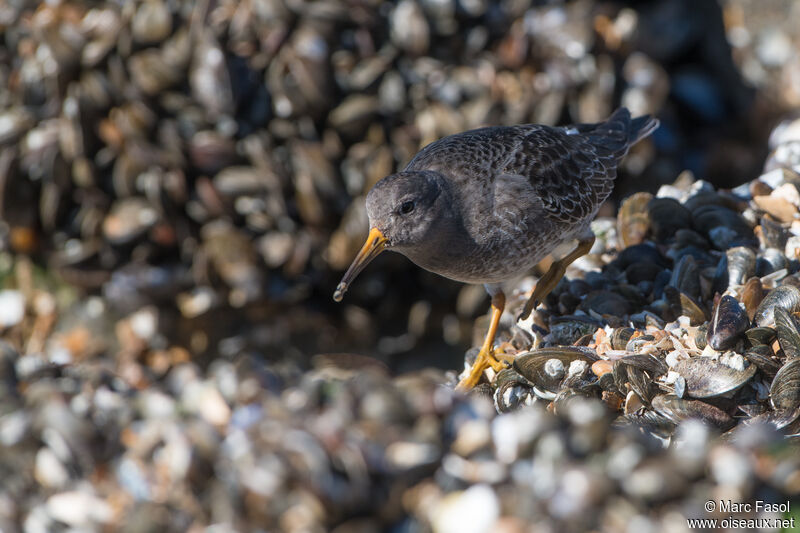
[(406, 207)]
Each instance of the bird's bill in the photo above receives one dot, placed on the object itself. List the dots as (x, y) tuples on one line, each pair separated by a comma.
[(376, 242)]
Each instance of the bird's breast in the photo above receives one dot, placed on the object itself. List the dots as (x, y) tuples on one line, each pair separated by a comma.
[(490, 263), (500, 256)]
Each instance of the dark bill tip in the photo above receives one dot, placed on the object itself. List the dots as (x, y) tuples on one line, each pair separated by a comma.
[(374, 245)]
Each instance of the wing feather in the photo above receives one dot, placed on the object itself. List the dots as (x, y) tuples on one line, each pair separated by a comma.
[(571, 169)]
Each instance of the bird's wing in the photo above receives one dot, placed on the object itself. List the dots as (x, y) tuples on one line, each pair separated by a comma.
[(570, 174), (564, 171), (571, 170)]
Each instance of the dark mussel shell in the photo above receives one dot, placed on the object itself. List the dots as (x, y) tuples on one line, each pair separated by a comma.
[(762, 356), (769, 261), (678, 409), (778, 419), (741, 265), (788, 333), (531, 365), (568, 329), (640, 371), (682, 304), (759, 336), (784, 393), (511, 390), (728, 322), (701, 336), (686, 276), (771, 234), (784, 296), (620, 337), (752, 295), (648, 422), (706, 378), (667, 216), (707, 217)]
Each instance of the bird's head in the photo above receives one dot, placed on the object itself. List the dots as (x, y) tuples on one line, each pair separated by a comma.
[(404, 210), (404, 207)]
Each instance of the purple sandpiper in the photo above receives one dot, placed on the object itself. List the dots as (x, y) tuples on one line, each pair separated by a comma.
[(486, 205)]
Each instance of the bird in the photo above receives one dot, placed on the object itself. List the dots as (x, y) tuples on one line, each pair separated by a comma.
[(485, 206)]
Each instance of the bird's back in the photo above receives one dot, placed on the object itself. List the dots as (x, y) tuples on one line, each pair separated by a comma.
[(524, 190), (570, 169)]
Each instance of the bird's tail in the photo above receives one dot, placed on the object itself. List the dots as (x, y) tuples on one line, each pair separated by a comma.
[(632, 129), (641, 127), (619, 132)]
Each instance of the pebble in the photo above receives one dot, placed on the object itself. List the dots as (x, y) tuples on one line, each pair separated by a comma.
[(12, 308), (474, 510), (79, 509), (13, 428), (205, 400), (407, 455), (49, 471)]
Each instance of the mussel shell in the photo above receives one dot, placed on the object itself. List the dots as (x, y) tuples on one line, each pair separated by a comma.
[(606, 382), (636, 343), (793, 280), (761, 356), (482, 389), (649, 422), (566, 395), (779, 419), (511, 390), (752, 295), (772, 234), (640, 371), (759, 336), (705, 197), (568, 329), (784, 393), (769, 261), (620, 337), (707, 217), (633, 221), (686, 276), (706, 378), (647, 362), (728, 322), (667, 216), (640, 253), (784, 296), (677, 409), (605, 302), (531, 365), (638, 272), (741, 265), (701, 336), (752, 409), (689, 238), (684, 305), (788, 333)]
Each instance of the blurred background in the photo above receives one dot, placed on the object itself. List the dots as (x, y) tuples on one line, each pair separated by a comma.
[(182, 186), (200, 167)]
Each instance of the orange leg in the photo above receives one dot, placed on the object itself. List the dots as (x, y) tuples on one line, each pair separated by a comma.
[(486, 356), (551, 278)]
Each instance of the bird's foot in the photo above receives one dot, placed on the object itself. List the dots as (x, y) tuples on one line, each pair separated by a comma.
[(485, 359), (545, 285)]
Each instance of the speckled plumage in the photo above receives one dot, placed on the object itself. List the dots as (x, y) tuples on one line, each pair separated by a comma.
[(488, 204)]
